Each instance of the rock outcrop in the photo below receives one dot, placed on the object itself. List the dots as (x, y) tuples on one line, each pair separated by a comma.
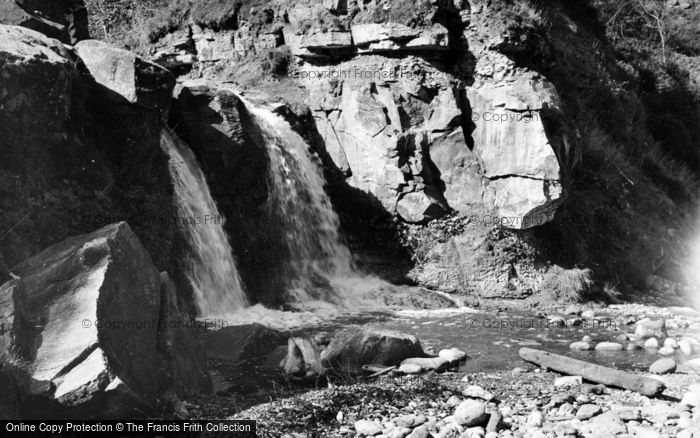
[(64, 20), (94, 301), (129, 76), (95, 331), (75, 155)]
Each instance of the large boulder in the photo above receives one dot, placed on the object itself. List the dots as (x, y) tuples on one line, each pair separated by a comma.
[(350, 350), (517, 151), (64, 20), (128, 76), (91, 349), (35, 95)]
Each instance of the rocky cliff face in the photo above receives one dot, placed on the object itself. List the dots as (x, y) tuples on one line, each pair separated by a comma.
[(501, 136), (386, 96), (483, 109)]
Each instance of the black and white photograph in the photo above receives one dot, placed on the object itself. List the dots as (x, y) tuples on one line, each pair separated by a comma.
[(350, 218)]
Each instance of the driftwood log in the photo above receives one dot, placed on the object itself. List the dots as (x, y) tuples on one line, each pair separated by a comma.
[(592, 372), (303, 361)]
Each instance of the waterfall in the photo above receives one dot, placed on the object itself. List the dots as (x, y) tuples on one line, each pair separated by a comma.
[(209, 263), (303, 212)]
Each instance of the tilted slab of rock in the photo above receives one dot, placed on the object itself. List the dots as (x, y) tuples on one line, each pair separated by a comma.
[(129, 76), (95, 301)]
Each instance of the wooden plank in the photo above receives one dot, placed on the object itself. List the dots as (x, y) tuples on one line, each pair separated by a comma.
[(592, 372)]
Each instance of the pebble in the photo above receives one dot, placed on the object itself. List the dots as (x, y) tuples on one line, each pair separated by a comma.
[(670, 342), (474, 432), (693, 364), (420, 432), (627, 413), (587, 339), (594, 389), (685, 434), (397, 432), (647, 328), (605, 425), (568, 381), (588, 314), (451, 429), (564, 428), (474, 391), (369, 428), (452, 354), (560, 399), (494, 424), (410, 368), (535, 419), (666, 351), (608, 346), (651, 343), (622, 338), (633, 347), (691, 399), (580, 346), (410, 420), (470, 413), (588, 411), (644, 432), (685, 420), (427, 363), (453, 401), (663, 366), (686, 346)]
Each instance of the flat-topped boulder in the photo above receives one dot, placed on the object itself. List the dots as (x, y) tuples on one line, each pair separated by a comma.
[(356, 347)]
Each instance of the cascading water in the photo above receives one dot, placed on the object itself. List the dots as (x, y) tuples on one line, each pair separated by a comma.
[(210, 266), (302, 209)]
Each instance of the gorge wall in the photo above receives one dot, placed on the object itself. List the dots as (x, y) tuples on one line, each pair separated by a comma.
[(503, 137)]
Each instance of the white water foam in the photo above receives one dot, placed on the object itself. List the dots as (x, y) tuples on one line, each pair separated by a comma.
[(210, 266)]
